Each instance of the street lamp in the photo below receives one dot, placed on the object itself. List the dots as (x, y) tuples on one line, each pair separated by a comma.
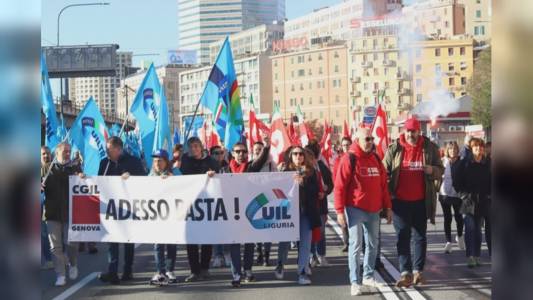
[(58, 18)]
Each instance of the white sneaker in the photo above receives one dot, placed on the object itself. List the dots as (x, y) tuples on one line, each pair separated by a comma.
[(313, 262), (278, 272), (227, 260), (170, 276), (304, 280), (371, 282), (448, 247), (323, 261), (217, 262), (357, 289), (73, 272), (460, 241), (307, 270), (61, 280)]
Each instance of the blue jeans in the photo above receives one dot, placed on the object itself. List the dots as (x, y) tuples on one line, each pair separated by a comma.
[(362, 224), (161, 264), (46, 255), (473, 235), (304, 246), (235, 252), (319, 248), (113, 257), (410, 216)]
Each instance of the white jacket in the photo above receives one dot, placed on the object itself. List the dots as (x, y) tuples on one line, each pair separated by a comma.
[(446, 188)]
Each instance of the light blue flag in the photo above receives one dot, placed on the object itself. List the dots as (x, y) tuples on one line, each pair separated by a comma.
[(144, 108), (89, 134), (114, 130), (176, 138), (197, 125), (52, 136), (221, 96), (62, 130), (131, 144), (162, 130)]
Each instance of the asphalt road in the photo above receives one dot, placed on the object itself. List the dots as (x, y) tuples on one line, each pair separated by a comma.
[(447, 276)]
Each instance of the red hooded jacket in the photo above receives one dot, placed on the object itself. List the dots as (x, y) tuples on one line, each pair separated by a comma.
[(411, 185), (366, 188)]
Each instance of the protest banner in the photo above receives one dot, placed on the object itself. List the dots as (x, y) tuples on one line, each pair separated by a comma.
[(193, 209)]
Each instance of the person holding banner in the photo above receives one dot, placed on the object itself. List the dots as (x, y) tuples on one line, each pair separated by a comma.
[(119, 163), (360, 195), (56, 213), (195, 161), (221, 254), (161, 166), (240, 164), (307, 180)]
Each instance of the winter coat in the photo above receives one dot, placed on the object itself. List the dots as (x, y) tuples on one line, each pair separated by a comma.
[(56, 191)]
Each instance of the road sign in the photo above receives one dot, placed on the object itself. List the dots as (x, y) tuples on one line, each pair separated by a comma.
[(81, 61)]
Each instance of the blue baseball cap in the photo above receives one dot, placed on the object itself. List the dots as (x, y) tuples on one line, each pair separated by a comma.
[(160, 153)]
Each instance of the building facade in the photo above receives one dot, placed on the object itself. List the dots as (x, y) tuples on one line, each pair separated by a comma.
[(437, 18), (102, 89), (441, 65), (478, 15), (334, 21), (202, 22), (254, 75), (249, 42), (168, 77), (314, 79)]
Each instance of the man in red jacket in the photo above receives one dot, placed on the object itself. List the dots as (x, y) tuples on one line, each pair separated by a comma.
[(360, 195)]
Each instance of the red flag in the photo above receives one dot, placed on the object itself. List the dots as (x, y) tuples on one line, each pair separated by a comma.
[(279, 139), (253, 131), (325, 143), (380, 132), (304, 134), (346, 131), (293, 136), (214, 139)]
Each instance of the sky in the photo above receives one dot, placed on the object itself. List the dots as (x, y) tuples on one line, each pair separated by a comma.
[(142, 26)]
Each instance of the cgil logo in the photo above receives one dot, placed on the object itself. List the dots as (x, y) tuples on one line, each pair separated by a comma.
[(85, 208)]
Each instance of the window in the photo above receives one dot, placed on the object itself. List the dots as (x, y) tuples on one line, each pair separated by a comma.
[(446, 24), (353, 58), (337, 99), (385, 71), (301, 86), (418, 68), (450, 51), (376, 86), (321, 100), (387, 84), (365, 86), (275, 63), (418, 97), (302, 101), (482, 31), (376, 73), (292, 60), (318, 84), (418, 83), (478, 13), (437, 68), (437, 52), (310, 85), (451, 67), (309, 59), (321, 114), (462, 51), (276, 76), (310, 72), (375, 56), (337, 113), (292, 88), (320, 70), (319, 56), (451, 81), (310, 100), (335, 54), (336, 69), (339, 83), (463, 80), (476, 30), (301, 72)]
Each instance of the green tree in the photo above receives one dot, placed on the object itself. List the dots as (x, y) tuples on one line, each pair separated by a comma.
[(479, 89)]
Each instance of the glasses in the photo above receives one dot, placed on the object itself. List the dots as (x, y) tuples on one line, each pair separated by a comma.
[(369, 139), (297, 154), (240, 151)]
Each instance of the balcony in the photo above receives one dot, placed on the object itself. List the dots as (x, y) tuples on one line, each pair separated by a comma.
[(356, 79), (389, 63), (404, 91), (366, 64), (355, 93), (402, 76)]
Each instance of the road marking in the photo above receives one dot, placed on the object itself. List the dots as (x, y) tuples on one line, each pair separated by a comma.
[(384, 289), (73, 289), (412, 292)]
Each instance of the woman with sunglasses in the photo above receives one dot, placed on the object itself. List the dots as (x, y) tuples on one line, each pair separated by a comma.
[(307, 180)]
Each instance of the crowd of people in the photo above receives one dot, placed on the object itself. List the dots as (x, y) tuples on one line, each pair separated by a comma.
[(402, 188)]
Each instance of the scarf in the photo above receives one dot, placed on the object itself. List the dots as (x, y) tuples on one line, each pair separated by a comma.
[(235, 167)]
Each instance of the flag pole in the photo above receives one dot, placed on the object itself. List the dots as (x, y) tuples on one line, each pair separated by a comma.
[(55, 158)]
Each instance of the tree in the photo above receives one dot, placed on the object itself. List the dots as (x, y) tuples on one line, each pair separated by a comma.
[(479, 89)]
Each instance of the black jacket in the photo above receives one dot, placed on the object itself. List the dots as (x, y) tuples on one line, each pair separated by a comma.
[(472, 181), (56, 191), (192, 166), (327, 178), (309, 199), (125, 163)]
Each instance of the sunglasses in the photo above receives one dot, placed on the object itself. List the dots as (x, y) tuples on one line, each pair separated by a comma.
[(369, 139), (240, 151), (297, 154)]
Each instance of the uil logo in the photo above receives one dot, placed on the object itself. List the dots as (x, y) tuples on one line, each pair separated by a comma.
[(263, 213), (95, 133), (149, 104)]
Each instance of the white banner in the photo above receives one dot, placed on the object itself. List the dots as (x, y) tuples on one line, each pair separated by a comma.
[(193, 209)]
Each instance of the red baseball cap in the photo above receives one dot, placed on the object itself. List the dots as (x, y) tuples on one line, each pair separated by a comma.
[(412, 124)]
